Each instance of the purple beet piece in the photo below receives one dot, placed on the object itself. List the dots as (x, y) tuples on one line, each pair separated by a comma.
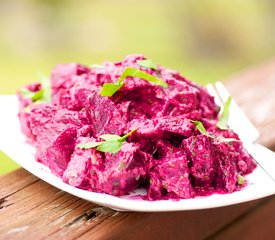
[(169, 174), (63, 75), (55, 131), (124, 171), (104, 116), (24, 113), (84, 166), (59, 152), (226, 169), (201, 163), (158, 127)]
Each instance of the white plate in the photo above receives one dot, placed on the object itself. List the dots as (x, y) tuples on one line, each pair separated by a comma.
[(12, 142)]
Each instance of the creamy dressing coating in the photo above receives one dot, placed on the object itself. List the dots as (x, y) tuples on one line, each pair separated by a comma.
[(167, 155)]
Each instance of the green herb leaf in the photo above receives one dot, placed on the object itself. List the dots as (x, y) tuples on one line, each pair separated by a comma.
[(96, 66), (109, 89), (123, 138), (112, 143), (27, 93), (46, 86), (200, 127), (147, 63), (202, 130), (110, 137), (110, 146), (241, 180), (34, 96), (89, 145), (223, 121), (42, 95), (38, 95), (133, 72)]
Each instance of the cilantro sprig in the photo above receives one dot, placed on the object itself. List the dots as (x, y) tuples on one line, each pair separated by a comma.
[(223, 121), (42, 95), (241, 180), (147, 63), (112, 143), (202, 130), (96, 66), (34, 96), (109, 89)]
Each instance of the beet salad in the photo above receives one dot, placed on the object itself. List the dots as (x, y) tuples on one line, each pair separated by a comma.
[(119, 126)]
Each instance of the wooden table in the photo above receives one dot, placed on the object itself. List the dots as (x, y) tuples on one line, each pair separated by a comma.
[(32, 209)]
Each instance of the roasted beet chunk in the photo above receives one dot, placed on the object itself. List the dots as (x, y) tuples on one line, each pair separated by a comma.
[(123, 171), (55, 131), (169, 174), (24, 110), (63, 76), (83, 168), (245, 162), (198, 151), (212, 164), (140, 102), (159, 127), (60, 150), (207, 105), (226, 169), (182, 102), (105, 117), (74, 98)]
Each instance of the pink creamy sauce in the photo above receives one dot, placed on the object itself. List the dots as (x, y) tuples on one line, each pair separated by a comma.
[(167, 155)]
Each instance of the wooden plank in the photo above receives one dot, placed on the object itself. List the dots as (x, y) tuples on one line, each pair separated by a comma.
[(171, 225), (32, 209), (39, 211), (254, 90), (257, 224), (11, 183)]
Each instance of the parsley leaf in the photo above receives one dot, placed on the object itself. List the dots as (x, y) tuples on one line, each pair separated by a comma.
[(147, 63), (123, 138), (89, 145), (202, 130), (109, 89), (112, 143), (110, 137), (46, 86), (110, 146), (34, 96), (223, 121), (241, 180), (42, 95), (96, 66), (38, 95)]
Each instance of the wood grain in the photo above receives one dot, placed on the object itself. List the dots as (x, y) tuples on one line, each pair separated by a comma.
[(32, 209), (254, 90), (257, 224), (40, 210)]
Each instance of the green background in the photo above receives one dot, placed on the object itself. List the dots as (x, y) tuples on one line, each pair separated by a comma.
[(205, 40)]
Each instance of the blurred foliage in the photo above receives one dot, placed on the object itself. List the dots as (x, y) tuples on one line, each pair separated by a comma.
[(205, 40), (7, 164)]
